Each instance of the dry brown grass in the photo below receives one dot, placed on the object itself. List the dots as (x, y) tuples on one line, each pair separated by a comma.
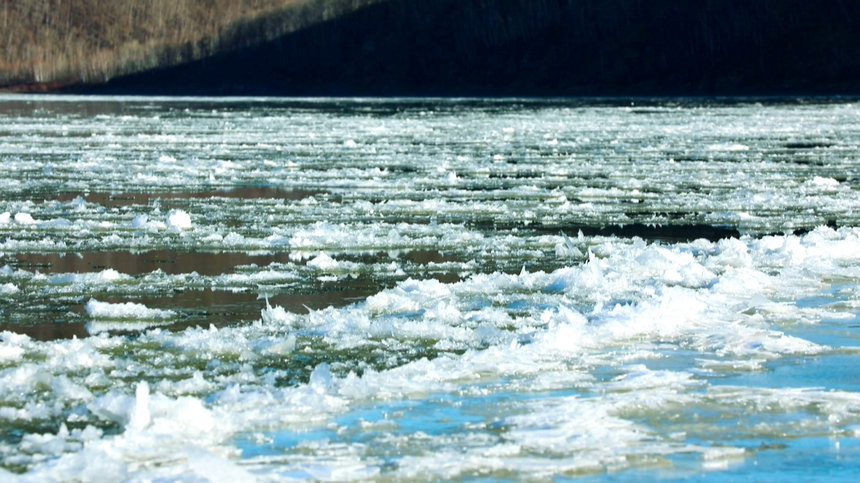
[(47, 43)]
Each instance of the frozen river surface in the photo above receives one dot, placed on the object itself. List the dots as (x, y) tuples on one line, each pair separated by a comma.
[(423, 290)]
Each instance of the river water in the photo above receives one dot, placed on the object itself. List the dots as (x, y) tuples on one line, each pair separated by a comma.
[(400, 289)]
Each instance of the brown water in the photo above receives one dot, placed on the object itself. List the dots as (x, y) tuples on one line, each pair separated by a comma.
[(63, 316), (201, 308), (168, 261), (174, 262), (46, 331)]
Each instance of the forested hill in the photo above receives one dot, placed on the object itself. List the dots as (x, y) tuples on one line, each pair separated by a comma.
[(47, 44), (512, 47)]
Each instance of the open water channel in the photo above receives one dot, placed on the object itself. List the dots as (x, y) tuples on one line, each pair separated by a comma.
[(399, 289)]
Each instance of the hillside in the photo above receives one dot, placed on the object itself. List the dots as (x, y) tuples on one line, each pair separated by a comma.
[(53, 43), (479, 47)]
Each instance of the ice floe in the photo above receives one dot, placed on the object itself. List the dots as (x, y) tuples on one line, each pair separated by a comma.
[(125, 311), (511, 290)]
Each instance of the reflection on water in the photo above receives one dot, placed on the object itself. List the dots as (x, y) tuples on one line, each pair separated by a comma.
[(424, 257), (47, 331), (50, 320), (170, 262), (222, 308), (203, 263), (340, 296), (63, 316)]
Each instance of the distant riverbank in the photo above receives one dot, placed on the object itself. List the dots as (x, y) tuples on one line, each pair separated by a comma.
[(512, 47), (48, 46)]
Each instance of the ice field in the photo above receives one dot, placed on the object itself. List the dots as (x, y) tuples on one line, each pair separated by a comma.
[(345, 289)]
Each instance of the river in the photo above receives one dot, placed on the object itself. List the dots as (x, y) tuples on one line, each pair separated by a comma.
[(429, 289)]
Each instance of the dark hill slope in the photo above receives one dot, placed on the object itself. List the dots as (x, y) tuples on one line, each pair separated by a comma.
[(543, 47)]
